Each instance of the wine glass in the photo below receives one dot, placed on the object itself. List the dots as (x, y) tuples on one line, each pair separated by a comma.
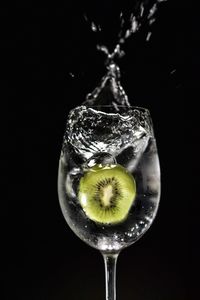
[(109, 179)]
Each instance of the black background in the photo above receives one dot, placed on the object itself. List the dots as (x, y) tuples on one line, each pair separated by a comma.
[(42, 43)]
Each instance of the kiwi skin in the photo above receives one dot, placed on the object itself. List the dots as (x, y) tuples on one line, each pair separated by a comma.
[(106, 193)]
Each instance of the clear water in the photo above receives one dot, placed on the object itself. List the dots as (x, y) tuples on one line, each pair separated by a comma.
[(127, 139)]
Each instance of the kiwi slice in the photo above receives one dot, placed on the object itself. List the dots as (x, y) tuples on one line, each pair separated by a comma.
[(106, 193)]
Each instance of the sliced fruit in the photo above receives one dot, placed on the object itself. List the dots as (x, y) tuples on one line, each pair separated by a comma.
[(106, 193)]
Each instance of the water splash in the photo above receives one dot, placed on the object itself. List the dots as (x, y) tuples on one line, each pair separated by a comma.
[(144, 12), (110, 90), (92, 132), (71, 74), (93, 26)]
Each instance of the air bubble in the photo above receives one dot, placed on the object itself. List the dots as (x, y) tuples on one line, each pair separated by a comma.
[(102, 158)]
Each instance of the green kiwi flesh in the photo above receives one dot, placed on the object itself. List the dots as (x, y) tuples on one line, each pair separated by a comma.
[(106, 193)]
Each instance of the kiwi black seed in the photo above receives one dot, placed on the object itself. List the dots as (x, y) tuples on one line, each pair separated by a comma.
[(106, 193)]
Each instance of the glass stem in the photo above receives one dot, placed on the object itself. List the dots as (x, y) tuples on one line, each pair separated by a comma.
[(110, 261)]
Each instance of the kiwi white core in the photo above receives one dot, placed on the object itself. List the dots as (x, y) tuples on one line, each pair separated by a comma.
[(107, 194)]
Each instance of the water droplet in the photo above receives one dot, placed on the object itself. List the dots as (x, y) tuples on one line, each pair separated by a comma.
[(141, 9), (130, 234), (85, 17), (95, 27), (72, 74), (115, 236), (103, 48), (151, 21), (152, 11), (173, 71), (148, 36), (148, 219)]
